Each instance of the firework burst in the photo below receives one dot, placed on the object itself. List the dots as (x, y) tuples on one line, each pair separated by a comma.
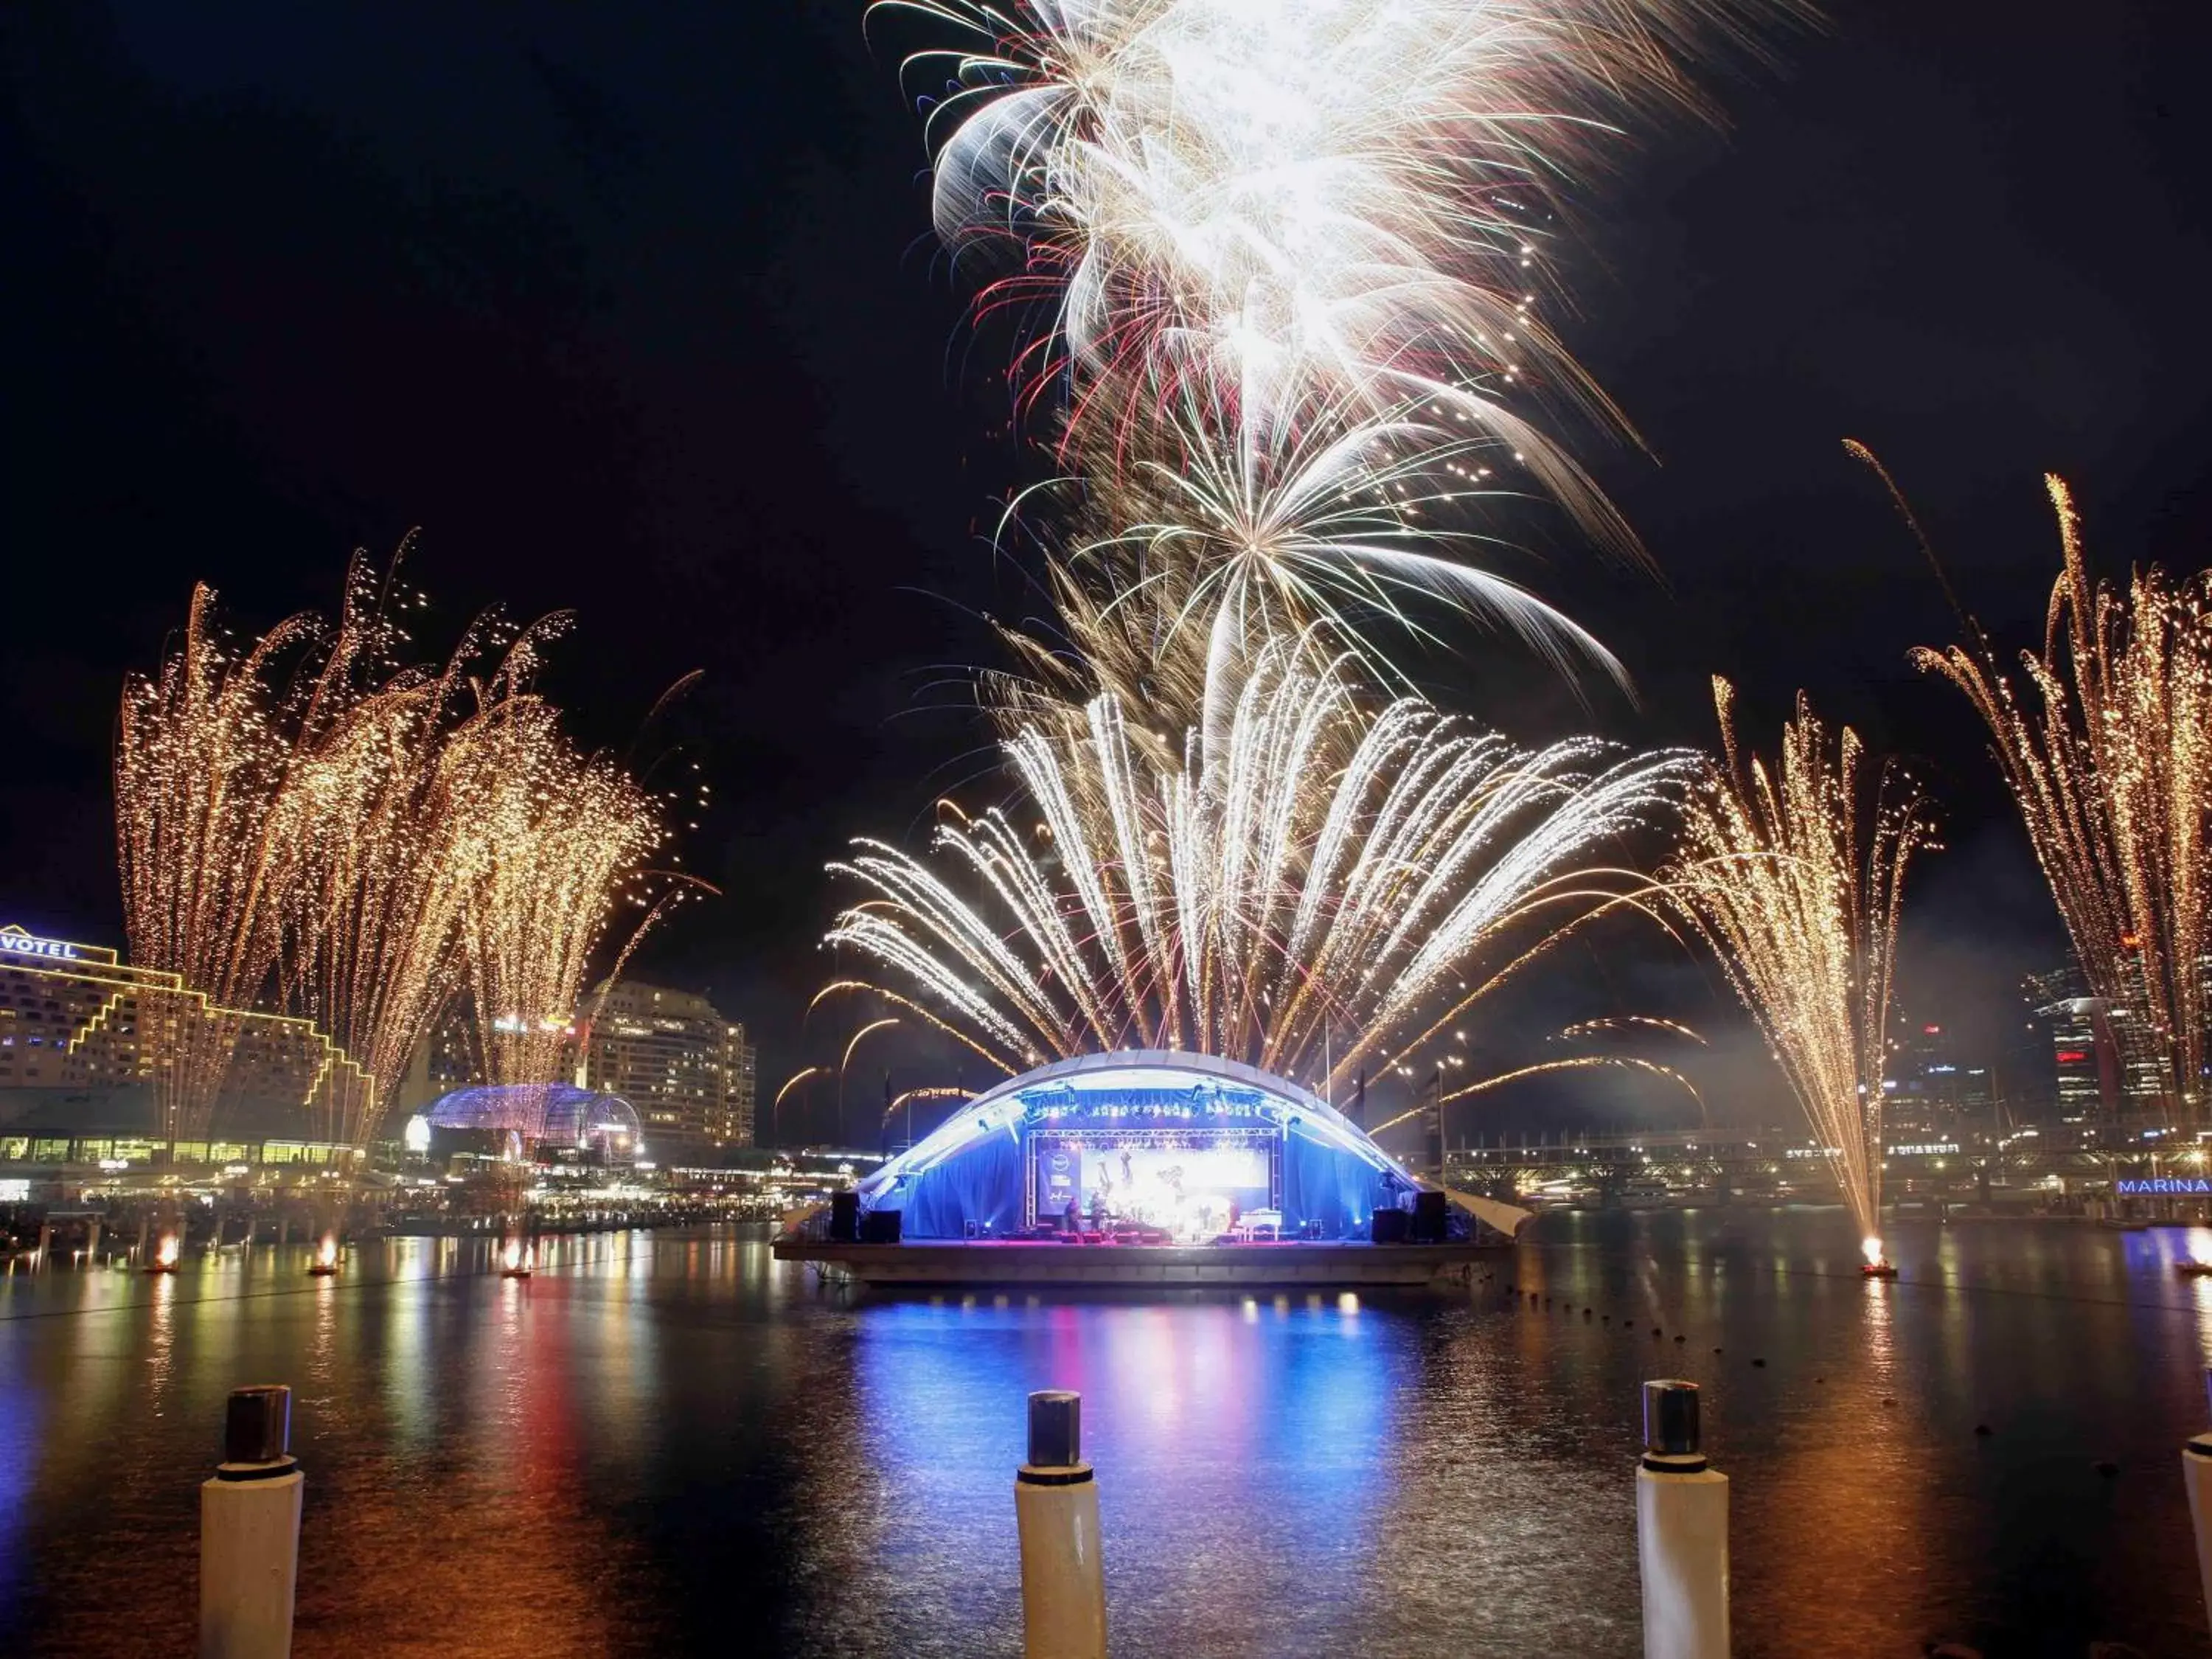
[(1263, 193), (2110, 763), (1284, 255), (1800, 900), (1193, 556), (1322, 880)]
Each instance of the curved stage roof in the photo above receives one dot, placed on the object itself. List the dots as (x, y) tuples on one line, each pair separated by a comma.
[(1177, 1140), (558, 1114)]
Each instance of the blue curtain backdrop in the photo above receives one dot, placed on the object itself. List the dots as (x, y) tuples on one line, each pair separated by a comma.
[(1322, 1183), (982, 1184)]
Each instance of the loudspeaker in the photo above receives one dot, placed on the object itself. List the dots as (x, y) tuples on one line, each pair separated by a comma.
[(1387, 1226), (1428, 1226), (882, 1226), (971, 1228), (844, 1217)]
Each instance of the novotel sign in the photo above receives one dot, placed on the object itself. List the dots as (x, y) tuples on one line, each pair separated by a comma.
[(2165, 1186), (16, 942)]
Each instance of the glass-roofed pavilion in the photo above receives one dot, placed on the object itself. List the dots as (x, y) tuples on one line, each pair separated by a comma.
[(535, 1119), (1186, 1147)]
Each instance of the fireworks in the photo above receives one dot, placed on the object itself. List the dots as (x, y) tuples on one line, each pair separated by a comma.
[(1801, 903), (202, 757), (2112, 769), (204, 753), (1288, 254), (1263, 193), (1280, 261), (546, 839), (355, 841), (1322, 879), (1203, 545)]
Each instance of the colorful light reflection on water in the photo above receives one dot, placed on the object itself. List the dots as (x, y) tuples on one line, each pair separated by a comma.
[(671, 1444)]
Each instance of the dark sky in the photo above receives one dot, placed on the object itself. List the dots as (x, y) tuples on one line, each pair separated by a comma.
[(629, 310)]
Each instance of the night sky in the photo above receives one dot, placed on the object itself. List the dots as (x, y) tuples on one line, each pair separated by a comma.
[(631, 310)]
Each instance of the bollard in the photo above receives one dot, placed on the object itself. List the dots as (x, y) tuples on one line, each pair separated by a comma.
[(250, 1531), (1681, 1531), (145, 1226), (2196, 1476), (1056, 1512)]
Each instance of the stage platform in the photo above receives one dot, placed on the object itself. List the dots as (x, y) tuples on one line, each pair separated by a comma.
[(1296, 1262)]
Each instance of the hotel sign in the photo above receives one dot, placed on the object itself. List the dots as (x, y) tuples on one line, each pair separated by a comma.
[(16, 942), (2166, 1185)]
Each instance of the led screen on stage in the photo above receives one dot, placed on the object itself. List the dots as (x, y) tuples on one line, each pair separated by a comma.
[(1190, 1191)]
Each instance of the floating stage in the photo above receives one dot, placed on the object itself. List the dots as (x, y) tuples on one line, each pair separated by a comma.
[(1294, 1263), (1148, 1168)]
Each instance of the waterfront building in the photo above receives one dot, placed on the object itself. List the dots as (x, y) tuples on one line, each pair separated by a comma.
[(449, 1052), (689, 1072), (94, 1047)]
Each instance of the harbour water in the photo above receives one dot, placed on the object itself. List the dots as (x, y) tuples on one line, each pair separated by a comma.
[(668, 1443)]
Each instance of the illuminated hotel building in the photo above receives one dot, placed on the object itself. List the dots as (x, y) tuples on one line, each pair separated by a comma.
[(92, 1047), (689, 1072)]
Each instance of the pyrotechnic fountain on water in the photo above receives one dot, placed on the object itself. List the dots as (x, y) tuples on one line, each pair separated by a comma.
[(1796, 875)]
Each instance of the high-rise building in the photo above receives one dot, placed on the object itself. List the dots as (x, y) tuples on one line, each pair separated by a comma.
[(1922, 1084), (2107, 1058), (689, 1072), (2028, 1059), (2089, 1080), (1977, 1096)]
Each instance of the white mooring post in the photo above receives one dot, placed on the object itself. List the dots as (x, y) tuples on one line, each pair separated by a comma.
[(1056, 1512), (250, 1531), (1681, 1531), (2196, 1476)]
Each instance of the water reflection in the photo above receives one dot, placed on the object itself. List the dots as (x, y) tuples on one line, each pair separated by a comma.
[(667, 1444)]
